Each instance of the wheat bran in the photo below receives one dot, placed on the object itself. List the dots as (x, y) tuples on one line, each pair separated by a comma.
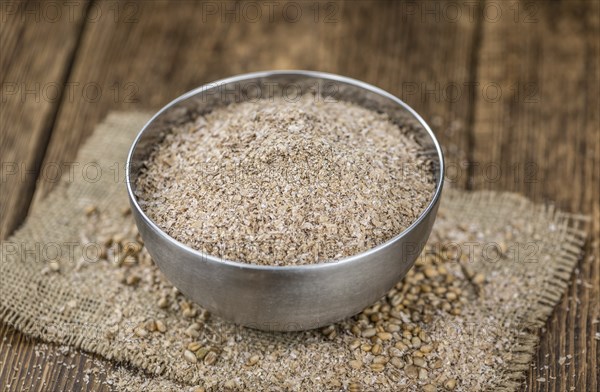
[(277, 182)]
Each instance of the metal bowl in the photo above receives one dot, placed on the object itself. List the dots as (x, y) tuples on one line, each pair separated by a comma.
[(283, 298)]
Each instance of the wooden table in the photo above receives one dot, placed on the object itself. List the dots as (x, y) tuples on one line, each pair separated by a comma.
[(510, 87)]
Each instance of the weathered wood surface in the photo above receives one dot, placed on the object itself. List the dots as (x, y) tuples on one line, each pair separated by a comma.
[(543, 138), (542, 133), (37, 47)]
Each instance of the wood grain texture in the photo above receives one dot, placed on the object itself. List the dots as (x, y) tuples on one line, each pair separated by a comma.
[(31, 88), (37, 46), (27, 365), (140, 56), (542, 138)]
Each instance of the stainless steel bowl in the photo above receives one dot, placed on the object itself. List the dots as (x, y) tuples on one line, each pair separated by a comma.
[(283, 298)]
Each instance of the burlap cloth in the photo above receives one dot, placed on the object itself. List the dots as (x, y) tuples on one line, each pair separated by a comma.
[(487, 347)]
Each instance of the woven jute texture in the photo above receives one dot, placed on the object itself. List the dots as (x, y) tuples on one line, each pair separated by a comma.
[(488, 346)]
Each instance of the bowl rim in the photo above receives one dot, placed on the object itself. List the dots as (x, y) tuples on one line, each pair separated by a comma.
[(289, 268)]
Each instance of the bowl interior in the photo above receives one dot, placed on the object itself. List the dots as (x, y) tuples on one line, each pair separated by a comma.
[(290, 85)]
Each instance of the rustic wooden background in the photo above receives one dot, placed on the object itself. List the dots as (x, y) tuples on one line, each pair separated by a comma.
[(510, 87)]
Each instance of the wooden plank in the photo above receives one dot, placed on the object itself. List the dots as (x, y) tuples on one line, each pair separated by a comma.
[(154, 53), (29, 366), (38, 42), (37, 46), (541, 139), (31, 82)]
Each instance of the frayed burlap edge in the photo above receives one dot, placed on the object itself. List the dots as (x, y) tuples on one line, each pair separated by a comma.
[(573, 229)]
